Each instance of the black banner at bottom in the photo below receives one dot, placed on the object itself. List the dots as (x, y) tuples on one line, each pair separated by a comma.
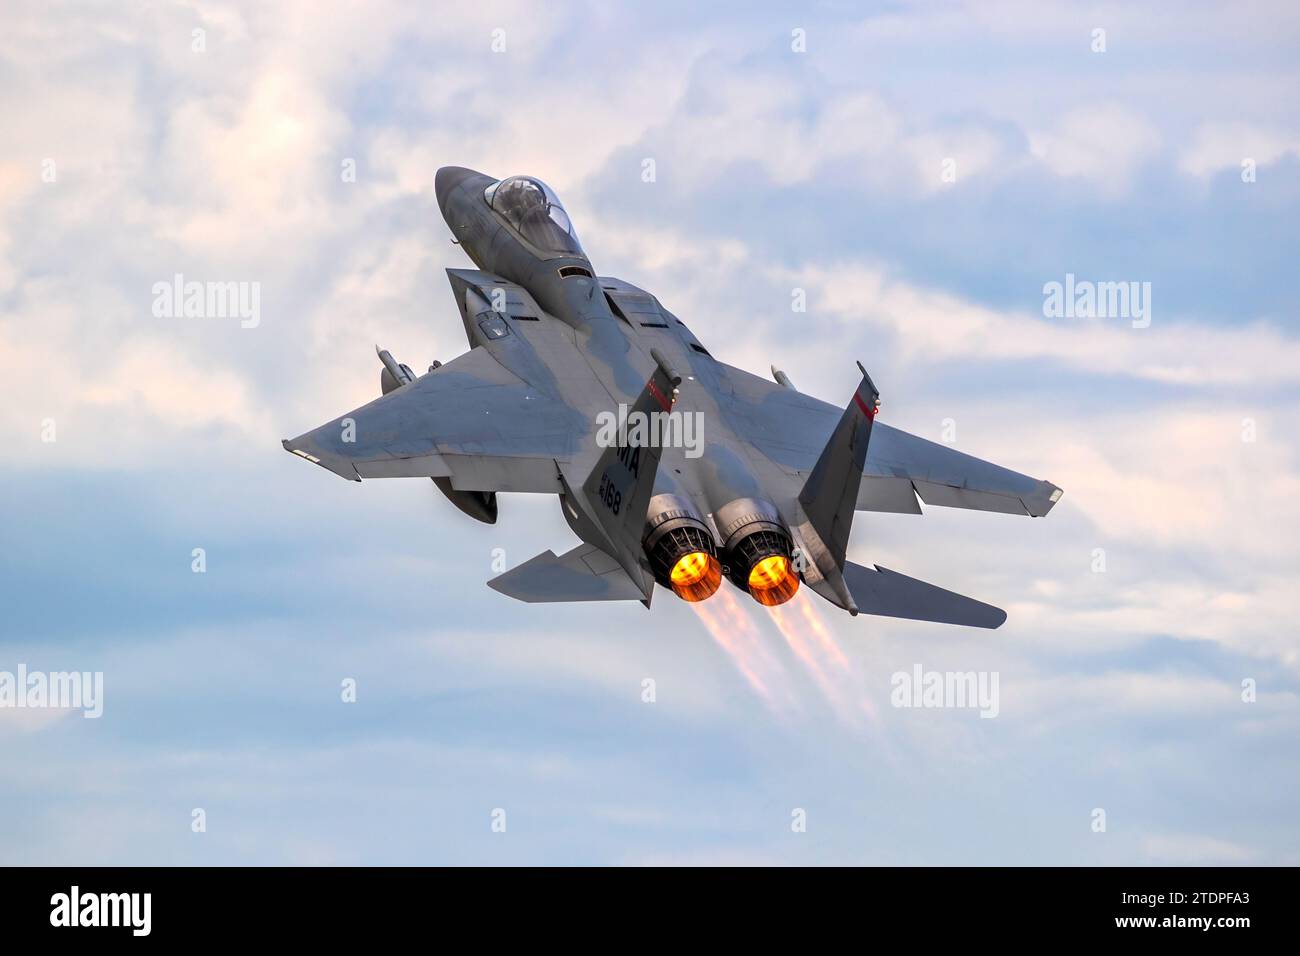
[(1176, 906)]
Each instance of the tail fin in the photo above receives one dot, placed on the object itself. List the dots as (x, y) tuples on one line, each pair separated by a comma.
[(828, 500), (830, 495), (619, 488)]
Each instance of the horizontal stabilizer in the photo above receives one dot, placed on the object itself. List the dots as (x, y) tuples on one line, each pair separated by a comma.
[(890, 594), (584, 574)]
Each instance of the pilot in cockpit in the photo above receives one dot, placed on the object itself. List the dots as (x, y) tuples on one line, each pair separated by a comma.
[(534, 211)]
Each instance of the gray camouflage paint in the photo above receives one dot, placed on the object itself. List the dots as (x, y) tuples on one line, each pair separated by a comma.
[(518, 413)]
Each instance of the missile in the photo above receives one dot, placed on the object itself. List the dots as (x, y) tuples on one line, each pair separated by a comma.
[(394, 375)]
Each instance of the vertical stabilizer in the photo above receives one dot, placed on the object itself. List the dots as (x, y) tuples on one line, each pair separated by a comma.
[(830, 495)]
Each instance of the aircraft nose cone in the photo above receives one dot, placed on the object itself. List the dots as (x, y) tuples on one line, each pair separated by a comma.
[(446, 181)]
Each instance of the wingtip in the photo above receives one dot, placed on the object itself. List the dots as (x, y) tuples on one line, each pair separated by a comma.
[(1043, 502), (331, 463)]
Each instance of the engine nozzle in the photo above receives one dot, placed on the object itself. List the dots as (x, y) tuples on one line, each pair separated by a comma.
[(758, 550), (681, 549)]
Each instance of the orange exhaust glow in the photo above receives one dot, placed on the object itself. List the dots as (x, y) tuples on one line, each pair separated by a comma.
[(733, 627), (690, 568), (733, 640), (822, 635), (807, 652), (771, 582), (695, 576)]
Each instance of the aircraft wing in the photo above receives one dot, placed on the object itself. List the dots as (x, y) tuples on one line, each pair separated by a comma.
[(792, 428), (470, 420)]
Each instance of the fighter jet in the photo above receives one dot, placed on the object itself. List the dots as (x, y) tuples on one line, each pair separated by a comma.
[(585, 387)]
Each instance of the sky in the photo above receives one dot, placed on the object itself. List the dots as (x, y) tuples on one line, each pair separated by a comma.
[(921, 172)]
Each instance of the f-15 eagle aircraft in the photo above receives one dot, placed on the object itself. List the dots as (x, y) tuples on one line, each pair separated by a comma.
[(558, 355)]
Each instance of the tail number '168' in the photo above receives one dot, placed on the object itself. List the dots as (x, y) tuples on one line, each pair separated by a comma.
[(610, 495)]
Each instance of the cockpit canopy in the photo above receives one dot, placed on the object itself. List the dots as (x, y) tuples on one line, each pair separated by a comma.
[(533, 209)]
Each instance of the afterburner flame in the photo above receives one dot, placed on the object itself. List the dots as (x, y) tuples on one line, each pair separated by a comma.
[(771, 582), (809, 655), (733, 627), (769, 572), (695, 576), (733, 640), (690, 568), (817, 628)]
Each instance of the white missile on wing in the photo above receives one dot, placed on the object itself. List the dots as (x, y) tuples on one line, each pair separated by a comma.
[(394, 374)]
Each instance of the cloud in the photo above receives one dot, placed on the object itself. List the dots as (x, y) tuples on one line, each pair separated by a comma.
[(1219, 146), (240, 172), (932, 327), (1104, 144)]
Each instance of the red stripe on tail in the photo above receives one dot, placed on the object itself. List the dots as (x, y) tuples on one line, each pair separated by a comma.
[(869, 411)]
